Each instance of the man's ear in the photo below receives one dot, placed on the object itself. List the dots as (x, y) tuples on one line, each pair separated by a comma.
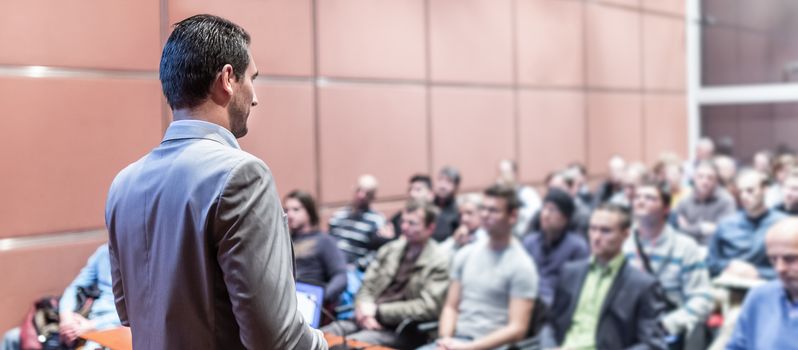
[(227, 77)]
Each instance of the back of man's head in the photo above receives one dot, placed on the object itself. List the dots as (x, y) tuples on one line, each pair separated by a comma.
[(195, 52)]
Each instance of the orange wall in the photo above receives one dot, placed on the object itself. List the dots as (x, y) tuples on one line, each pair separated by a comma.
[(391, 87)]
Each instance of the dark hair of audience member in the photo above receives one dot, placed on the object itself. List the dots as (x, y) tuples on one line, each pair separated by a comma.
[(506, 193), (430, 211), (425, 179), (307, 202), (623, 211)]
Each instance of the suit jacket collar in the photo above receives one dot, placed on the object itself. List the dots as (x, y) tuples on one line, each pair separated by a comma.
[(198, 129), (617, 285)]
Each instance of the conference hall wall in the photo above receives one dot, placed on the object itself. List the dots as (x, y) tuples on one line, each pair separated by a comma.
[(388, 87)]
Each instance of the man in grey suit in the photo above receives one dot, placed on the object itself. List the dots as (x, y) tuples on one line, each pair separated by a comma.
[(201, 257), (603, 303)]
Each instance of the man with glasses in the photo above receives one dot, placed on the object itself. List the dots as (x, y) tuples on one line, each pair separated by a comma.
[(769, 317), (603, 303), (673, 258)]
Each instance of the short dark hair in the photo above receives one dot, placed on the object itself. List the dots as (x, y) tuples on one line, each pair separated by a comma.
[(430, 211), (451, 173), (623, 211), (421, 178), (504, 192), (307, 202), (662, 188), (195, 52)]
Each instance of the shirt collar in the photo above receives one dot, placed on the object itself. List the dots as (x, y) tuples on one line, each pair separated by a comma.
[(198, 129), (611, 267)]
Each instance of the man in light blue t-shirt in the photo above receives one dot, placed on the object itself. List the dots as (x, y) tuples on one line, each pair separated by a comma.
[(493, 283)]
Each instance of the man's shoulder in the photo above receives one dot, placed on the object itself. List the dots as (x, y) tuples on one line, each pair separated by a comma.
[(765, 292), (637, 278)]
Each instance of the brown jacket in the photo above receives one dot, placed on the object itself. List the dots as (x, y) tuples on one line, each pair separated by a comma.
[(425, 291)]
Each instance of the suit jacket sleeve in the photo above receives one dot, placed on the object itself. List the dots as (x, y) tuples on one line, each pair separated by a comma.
[(651, 307), (116, 283), (255, 255)]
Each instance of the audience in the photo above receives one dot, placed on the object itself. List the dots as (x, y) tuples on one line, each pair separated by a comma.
[(318, 259), (609, 280), (769, 316), (738, 246), (96, 273), (446, 185), (406, 281), (554, 243), (358, 227), (671, 257), (699, 213), (603, 303), (493, 283)]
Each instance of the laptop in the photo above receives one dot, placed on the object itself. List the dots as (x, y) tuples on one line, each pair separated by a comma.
[(310, 301)]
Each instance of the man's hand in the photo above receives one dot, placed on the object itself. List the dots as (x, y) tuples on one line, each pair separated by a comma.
[(73, 325), (683, 223), (365, 316), (461, 236), (451, 344), (707, 228), (387, 231)]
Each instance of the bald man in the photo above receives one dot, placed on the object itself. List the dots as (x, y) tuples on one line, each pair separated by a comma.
[(769, 316), (358, 227)]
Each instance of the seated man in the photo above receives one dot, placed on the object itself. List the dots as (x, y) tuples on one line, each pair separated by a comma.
[(699, 213), (318, 259), (446, 186), (103, 311), (769, 316), (419, 187), (673, 258), (406, 281), (738, 247), (554, 244), (603, 303), (470, 229), (494, 283), (358, 228), (789, 193)]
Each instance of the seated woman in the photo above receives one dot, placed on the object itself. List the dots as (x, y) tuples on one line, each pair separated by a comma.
[(318, 259)]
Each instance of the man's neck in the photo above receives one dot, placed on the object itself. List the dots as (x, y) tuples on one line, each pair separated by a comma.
[(605, 261), (756, 213), (305, 229), (650, 230), (500, 241), (208, 112), (552, 236)]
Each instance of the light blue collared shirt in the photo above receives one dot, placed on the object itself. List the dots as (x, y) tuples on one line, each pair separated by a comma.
[(768, 320)]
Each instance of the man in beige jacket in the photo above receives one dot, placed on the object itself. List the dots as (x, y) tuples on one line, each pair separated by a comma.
[(407, 281)]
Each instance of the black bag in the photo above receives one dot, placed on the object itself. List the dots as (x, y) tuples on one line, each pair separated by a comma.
[(40, 329)]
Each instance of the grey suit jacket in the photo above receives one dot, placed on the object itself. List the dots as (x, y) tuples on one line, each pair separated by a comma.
[(629, 316), (201, 257)]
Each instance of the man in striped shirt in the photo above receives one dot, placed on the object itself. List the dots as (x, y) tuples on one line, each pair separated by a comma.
[(674, 258), (358, 227)]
